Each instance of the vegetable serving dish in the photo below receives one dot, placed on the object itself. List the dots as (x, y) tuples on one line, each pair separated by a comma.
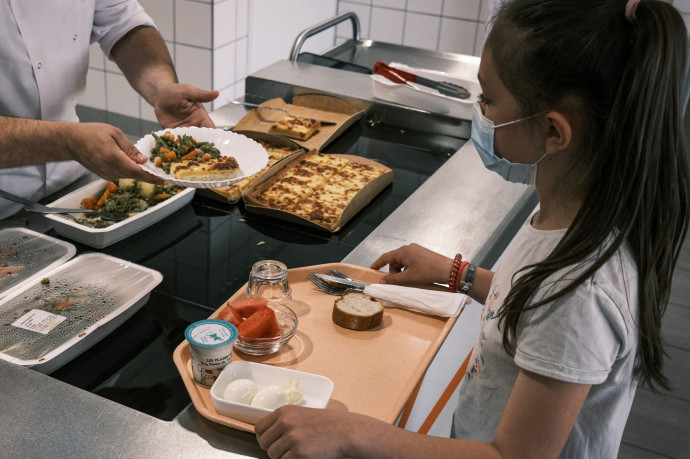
[(103, 237), (54, 319)]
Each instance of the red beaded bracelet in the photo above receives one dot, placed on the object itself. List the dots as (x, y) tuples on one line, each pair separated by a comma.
[(454, 278)]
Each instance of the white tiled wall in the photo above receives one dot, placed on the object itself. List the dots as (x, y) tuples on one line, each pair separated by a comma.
[(456, 26), (217, 43)]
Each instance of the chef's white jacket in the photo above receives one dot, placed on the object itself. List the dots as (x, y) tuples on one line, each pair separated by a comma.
[(44, 56)]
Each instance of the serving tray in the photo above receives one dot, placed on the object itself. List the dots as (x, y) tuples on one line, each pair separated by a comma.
[(374, 372)]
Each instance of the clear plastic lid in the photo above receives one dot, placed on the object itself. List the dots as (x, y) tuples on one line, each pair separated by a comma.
[(26, 255), (69, 304)]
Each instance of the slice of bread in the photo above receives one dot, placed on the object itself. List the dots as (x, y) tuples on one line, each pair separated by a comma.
[(357, 311)]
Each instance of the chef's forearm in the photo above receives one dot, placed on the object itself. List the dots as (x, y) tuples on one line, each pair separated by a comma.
[(145, 61), (26, 142)]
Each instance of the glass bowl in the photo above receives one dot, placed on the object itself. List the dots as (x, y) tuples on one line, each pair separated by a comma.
[(287, 319)]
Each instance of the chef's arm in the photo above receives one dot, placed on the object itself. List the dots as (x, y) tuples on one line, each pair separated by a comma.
[(145, 61), (101, 148)]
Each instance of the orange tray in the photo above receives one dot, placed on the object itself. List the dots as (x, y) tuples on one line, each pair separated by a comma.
[(374, 372)]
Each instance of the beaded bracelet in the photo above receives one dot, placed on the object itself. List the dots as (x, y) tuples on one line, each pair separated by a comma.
[(454, 272), (458, 266), (466, 285)]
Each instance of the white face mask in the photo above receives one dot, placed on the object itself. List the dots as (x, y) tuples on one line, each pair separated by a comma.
[(483, 138)]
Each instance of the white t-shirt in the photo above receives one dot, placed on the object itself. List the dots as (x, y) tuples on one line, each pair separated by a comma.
[(44, 50), (588, 336)]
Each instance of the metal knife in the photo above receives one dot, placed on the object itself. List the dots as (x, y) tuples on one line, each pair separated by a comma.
[(341, 281)]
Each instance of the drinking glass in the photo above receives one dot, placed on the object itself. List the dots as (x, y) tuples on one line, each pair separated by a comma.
[(269, 279)]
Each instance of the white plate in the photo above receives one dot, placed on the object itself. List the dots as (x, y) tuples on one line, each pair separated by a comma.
[(316, 389), (250, 155), (110, 290), (103, 237)]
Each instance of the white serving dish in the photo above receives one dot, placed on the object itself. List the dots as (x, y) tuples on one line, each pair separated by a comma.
[(35, 254), (429, 99), (250, 155), (106, 291), (316, 389), (103, 237)]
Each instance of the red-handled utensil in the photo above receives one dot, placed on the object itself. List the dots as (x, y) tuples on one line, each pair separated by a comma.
[(403, 77)]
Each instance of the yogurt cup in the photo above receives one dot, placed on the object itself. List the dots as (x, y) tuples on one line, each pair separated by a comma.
[(210, 348)]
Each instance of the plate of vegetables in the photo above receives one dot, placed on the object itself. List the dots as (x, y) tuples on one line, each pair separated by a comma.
[(123, 208), (195, 144)]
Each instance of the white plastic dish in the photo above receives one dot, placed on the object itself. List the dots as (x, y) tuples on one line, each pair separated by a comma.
[(250, 155), (429, 99), (103, 237), (316, 389), (45, 325), (26, 255)]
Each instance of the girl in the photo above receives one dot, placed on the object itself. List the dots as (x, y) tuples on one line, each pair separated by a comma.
[(583, 100)]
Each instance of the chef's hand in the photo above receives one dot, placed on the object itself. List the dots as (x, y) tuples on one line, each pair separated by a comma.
[(414, 264), (182, 105), (106, 151), (299, 432)]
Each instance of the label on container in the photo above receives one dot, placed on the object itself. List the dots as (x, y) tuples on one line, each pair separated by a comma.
[(39, 321), (210, 348), (211, 334)]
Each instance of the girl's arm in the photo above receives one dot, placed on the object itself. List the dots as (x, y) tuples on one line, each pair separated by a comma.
[(414, 264), (536, 422)]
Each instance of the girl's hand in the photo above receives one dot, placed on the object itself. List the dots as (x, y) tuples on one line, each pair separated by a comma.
[(294, 431), (414, 264)]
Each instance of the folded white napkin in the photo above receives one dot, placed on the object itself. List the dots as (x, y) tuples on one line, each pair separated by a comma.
[(434, 302)]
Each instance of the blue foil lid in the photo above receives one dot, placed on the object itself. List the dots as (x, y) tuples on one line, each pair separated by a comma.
[(211, 333)]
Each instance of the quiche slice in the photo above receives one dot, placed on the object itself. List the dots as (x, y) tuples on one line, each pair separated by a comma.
[(222, 168), (233, 193), (295, 128)]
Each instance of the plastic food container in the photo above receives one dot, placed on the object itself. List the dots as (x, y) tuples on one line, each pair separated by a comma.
[(52, 320), (26, 255), (103, 237), (210, 348), (316, 390)]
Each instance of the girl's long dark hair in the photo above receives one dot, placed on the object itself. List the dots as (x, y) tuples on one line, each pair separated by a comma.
[(623, 79)]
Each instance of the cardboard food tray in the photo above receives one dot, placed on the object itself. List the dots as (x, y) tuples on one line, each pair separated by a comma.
[(275, 140), (374, 372), (358, 202), (320, 107)]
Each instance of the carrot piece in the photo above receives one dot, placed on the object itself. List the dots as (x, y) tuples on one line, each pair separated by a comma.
[(89, 203), (228, 314), (169, 155), (64, 304), (162, 196), (112, 187), (101, 201), (192, 154), (248, 306), (258, 324)]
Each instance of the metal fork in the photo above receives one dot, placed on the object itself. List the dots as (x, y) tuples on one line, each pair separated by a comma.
[(329, 288)]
